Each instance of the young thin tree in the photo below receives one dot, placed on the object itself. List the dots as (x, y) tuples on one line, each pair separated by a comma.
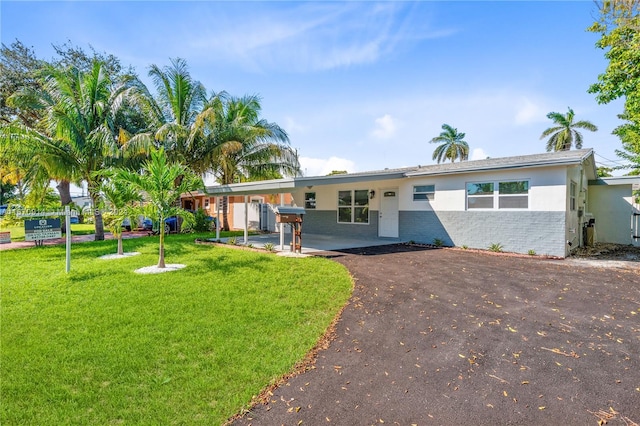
[(162, 183), (120, 198), (452, 145), (564, 135)]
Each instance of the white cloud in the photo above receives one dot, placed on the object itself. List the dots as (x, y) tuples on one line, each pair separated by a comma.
[(322, 167), (385, 127), (313, 36), (292, 127), (529, 112), (478, 154)]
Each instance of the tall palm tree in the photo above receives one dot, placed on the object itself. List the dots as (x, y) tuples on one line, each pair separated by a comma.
[(239, 145), (564, 134), (170, 114), (158, 181), (80, 131), (452, 145), (84, 118)]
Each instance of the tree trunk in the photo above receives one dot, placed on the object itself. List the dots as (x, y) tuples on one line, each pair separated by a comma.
[(161, 258), (97, 214), (64, 189), (225, 213), (120, 249)]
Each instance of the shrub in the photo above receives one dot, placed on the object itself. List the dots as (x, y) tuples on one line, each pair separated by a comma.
[(495, 247), (532, 252), (202, 221), (464, 247), (438, 242), (269, 247), (232, 240)]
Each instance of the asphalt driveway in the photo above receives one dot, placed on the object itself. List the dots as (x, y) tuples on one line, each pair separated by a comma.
[(452, 337)]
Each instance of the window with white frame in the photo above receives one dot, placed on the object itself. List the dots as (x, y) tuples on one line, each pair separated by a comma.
[(573, 190), (498, 195), (480, 195), (353, 206), (513, 194), (310, 200), (206, 203), (424, 192)]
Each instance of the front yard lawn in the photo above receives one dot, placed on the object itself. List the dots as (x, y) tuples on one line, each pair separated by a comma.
[(103, 345)]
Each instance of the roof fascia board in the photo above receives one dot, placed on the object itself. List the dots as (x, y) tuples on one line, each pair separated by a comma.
[(289, 184), (493, 168)]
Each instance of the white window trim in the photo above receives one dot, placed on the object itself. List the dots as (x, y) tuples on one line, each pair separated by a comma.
[(353, 207), (496, 195), (573, 197), (431, 195)]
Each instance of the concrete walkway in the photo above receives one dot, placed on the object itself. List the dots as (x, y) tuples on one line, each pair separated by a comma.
[(313, 243)]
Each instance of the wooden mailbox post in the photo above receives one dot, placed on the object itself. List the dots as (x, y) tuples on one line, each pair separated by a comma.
[(292, 216)]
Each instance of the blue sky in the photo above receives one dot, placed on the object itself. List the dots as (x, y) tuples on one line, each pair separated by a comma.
[(361, 85)]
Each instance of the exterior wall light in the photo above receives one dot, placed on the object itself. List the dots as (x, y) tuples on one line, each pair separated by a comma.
[(372, 194)]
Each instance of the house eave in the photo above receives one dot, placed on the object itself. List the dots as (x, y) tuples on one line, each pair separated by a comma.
[(291, 184)]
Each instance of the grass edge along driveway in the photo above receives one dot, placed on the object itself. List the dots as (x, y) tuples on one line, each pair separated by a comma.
[(104, 345)]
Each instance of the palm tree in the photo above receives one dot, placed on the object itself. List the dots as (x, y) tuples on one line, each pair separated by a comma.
[(564, 134), (452, 145), (171, 114), (120, 198), (240, 146), (158, 181), (81, 129)]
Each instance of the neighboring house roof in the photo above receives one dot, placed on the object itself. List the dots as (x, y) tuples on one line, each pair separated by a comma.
[(562, 158), (618, 180)]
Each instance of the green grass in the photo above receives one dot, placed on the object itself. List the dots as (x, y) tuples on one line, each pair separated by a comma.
[(103, 345), (17, 232)]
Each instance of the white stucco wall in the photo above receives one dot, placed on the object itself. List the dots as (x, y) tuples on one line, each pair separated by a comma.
[(611, 207), (327, 195), (546, 189), (574, 222)]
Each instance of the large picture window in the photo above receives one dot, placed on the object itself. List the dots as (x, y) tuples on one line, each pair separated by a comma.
[(500, 195), (353, 206)]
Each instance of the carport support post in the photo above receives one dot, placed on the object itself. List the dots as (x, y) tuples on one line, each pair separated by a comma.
[(246, 220), (282, 226), (218, 207)]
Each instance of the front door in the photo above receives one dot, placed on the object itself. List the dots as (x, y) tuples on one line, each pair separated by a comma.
[(388, 216)]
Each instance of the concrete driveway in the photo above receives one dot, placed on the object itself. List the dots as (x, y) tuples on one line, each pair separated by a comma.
[(451, 337)]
